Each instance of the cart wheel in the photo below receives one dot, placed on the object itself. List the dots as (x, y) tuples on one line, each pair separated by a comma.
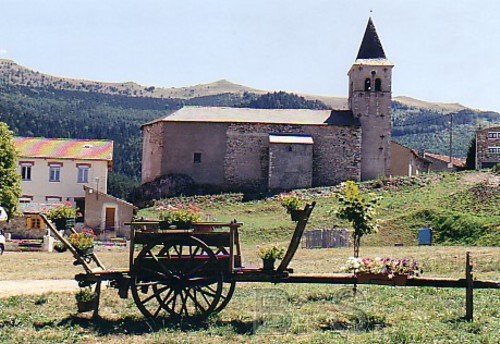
[(226, 295), (180, 278), (227, 288)]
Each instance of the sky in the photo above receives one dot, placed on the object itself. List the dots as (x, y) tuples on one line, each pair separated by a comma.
[(443, 50)]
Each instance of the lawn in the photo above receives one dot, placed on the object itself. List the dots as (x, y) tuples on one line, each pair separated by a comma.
[(290, 313), (462, 208)]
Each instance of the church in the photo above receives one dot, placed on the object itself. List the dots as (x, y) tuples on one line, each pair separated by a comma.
[(259, 150)]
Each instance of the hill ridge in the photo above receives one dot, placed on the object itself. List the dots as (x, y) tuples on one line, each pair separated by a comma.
[(16, 74)]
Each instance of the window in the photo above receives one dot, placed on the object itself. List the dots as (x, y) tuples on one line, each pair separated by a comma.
[(493, 135), (53, 199), (494, 150), (34, 223), (368, 84), (25, 199), (378, 84), (83, 174), (197, 158), (26, 172), (54, 173)]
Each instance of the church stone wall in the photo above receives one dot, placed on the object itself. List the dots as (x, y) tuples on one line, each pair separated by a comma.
[(336, 154), (290, 166)]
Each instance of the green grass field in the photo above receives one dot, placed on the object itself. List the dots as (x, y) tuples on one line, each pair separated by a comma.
[(463, 208), (267, 313)]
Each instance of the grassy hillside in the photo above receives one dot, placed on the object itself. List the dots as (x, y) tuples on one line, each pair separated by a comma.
[(462, 208)]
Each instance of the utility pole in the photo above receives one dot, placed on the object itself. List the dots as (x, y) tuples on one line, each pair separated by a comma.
[(450, 165)]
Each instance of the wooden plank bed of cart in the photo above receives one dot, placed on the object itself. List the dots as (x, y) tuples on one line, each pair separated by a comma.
[(190, 274)]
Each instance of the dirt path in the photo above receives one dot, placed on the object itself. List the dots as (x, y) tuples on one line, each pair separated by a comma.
[(35, 287)]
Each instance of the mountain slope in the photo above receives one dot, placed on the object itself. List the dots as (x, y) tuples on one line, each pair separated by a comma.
[(12, 73), (36, 104)]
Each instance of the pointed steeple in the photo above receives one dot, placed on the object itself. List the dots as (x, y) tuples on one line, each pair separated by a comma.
[(371, 48)]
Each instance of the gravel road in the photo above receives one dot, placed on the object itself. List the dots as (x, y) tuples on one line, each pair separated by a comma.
[(36, 287)]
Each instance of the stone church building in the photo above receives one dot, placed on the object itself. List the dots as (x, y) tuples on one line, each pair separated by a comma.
[(242, 149)]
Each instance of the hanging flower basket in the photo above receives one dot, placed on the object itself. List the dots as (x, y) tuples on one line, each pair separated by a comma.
[(297, 214), (85, 252)]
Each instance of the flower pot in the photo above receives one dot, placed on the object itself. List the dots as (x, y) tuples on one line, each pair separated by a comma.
[(268, 264), (85, 252), (164, 225), (381, 279), (60, 248), (64, 224), (86, 306), (203, 228), (60, 224), (182, 225), (297, 214)]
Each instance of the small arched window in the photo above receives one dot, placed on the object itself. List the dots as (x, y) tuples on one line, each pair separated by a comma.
[(368, 84), (378, 84)]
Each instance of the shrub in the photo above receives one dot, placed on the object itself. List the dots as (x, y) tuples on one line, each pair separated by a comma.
[(359, 210), (60, 247), (85, 295), (496, 169), (10, 180), (61, 212), (82, 241), (290, 203), (180, 218), (457, 228)]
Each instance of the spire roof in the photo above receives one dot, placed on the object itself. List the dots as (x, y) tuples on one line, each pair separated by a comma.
[(371, 48)]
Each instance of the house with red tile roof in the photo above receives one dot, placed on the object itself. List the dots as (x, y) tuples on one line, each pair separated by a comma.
[(55, 170), (442, 162)]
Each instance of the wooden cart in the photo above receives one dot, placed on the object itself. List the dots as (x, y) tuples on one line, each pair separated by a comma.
[(190, 274)]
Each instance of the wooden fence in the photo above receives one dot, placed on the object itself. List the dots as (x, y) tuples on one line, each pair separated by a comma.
[(326, 238)]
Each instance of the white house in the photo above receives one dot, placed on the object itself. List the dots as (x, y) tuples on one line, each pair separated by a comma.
[(55, 170)]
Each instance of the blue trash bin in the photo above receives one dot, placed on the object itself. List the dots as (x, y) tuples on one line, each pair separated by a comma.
[(425, 236)]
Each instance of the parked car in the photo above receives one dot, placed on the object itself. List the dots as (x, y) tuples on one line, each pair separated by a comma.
[(3, 215), (2, 242), (3, 218)]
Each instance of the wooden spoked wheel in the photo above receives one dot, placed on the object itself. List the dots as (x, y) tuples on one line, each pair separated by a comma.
[(226, 295), (179, 277)]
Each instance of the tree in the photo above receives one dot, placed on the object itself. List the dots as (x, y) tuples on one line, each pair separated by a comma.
[(10, 180), (470, 162), (359, 210), (283, 100), (122, 186)]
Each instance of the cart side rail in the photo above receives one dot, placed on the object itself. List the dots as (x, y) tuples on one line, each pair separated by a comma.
[(71, 248), (297, 235)]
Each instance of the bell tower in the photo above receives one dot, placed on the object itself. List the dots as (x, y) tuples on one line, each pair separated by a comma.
[(370, 99)]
